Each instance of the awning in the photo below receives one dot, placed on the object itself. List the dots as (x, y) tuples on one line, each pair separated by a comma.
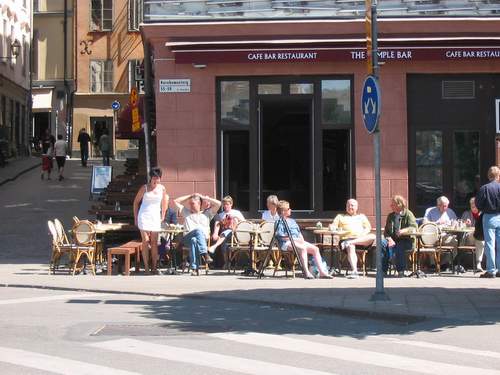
[(42, 100), (124, 128)]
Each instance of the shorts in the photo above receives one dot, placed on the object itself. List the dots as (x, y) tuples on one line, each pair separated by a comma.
[(61, 160)]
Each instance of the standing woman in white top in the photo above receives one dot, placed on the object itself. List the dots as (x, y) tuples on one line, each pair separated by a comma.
[(152, 199)]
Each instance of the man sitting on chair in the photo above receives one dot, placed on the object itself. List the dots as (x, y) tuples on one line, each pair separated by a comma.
[(197, 224), (358, 233)]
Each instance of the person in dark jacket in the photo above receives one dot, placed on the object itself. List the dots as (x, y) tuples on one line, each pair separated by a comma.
[(488, 202), (84, 139), (400, 221)]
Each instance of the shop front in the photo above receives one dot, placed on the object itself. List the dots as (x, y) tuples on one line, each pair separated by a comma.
[(272, 107)]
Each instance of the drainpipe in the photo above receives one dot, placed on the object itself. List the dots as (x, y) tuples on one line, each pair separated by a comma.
[(65, 76)]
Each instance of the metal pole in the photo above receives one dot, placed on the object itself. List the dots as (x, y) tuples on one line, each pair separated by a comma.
[(379, 294)]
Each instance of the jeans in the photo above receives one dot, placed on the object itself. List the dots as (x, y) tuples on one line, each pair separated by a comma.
[(399, 251), (105, 157), (197, 244), (84, 150), (491, 227)]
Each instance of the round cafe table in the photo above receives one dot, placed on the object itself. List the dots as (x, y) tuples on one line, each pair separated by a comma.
[(254, 232), (418, 273), (460, 233), (321, 233)]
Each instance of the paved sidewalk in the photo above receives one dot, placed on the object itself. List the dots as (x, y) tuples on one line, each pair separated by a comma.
[(17, 167), (463, 298)]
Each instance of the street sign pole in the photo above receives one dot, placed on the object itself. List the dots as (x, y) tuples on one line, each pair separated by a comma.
[(373, 68)]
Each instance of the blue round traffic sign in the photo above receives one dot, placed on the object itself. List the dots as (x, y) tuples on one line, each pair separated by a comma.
[(371, 103), (115, 105)]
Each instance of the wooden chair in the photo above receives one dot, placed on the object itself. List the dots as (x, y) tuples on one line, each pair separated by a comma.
[(468, 245), (429, 242), (266, 232), (240, 243), (84, 238), (59, 247)]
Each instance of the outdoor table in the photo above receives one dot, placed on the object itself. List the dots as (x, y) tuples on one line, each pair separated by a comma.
[(169, 233), (460, 233), (321, 232), (417, 235), (251, 270)]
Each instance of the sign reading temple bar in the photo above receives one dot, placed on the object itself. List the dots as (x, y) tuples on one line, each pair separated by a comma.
[(327, 54), (175, 85)]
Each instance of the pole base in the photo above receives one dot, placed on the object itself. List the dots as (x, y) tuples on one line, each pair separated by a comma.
[(380, 296)]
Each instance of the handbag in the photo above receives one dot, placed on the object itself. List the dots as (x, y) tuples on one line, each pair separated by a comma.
[(478, 228)]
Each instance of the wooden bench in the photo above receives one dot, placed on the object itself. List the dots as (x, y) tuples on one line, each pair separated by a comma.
[(131, 247)]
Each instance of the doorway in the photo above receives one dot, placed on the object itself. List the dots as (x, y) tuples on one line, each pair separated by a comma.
[(98, 126), (286, 151)]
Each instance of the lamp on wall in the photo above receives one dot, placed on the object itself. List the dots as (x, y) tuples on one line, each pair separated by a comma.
[(15, 50)]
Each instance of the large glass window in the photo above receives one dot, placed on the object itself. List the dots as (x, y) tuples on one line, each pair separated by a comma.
[(429, 166), (235, 167), (101, 15), (336, 169), (235, 103), (101, 76), (466, 157), (336, 102)]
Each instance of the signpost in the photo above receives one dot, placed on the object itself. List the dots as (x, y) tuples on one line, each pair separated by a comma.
[(115, 106), (370, 107)]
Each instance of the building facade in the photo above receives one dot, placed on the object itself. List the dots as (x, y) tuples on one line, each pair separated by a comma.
[(52, 76), (15, 36), (108, 56), (263, 97)]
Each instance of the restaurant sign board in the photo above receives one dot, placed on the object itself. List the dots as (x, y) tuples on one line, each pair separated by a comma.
[(327, 54)]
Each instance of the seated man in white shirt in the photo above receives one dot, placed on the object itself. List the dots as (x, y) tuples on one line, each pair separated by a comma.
[(442, 214), (225, 222), (197, 224)]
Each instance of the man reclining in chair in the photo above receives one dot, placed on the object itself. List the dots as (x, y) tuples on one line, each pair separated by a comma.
[(197, 224), (358, 233)]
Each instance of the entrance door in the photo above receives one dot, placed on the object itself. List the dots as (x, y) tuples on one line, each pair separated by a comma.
[(98, 126), (285, 151)]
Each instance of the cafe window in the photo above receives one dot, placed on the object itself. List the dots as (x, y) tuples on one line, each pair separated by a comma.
[(234, 103), (101, 15), (336, 102), (429, 166)]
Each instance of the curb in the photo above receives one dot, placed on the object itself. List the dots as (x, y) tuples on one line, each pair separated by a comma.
[(404, 319), (10, 179)]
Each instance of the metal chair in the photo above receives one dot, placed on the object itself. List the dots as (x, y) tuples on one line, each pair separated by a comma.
[(241, 242), (429, 242), (84, 237)]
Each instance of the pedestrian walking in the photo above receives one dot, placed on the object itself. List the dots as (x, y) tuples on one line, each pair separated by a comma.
[(105, 146), (48, 142), (84, 139), (488, 202), (150, 207), (60, 152)]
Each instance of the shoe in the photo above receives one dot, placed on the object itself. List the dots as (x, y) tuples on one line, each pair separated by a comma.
[(487, 275), (459, 269), (401, 274), (207, 258), (60, 178), (498, 274), (309, 277), (344, 245), (353, 275), (326, 277), (195, 273), (211, 249), (41, 176), (479, 268)]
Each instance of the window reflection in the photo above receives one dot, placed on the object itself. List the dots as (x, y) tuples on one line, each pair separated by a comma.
[(465, 167), (336, 169), (235, 159), (301, 88), (235, 99), (269, 89), (429, 167), (336, 101)]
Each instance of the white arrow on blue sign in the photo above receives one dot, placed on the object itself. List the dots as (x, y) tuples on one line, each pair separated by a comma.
[(371, 103), (115, 105)]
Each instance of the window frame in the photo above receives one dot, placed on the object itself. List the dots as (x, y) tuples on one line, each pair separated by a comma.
[(132, 64), (101, 28), (103, 85), (134, 15)]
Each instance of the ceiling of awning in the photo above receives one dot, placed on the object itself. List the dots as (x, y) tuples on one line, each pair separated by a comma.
[(42, 100)]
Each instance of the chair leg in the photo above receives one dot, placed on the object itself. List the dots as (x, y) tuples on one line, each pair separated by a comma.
[(77, 259)]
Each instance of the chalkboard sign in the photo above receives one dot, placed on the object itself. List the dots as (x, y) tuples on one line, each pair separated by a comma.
[(101, 177)]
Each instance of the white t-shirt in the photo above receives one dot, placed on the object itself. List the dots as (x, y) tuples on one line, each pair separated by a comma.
[(60, 148), (233, 213), (266, 215), (200, 220)]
